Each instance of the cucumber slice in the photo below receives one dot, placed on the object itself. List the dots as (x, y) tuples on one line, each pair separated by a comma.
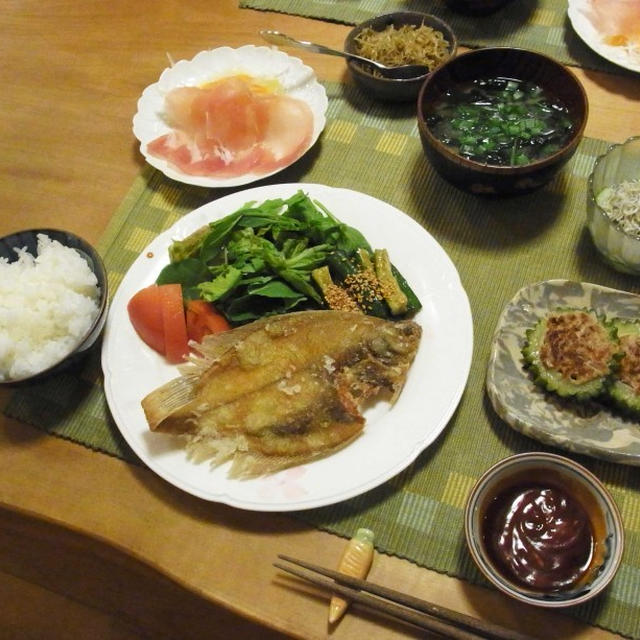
[(361, 284), (572, 352), (334, 295), (395, 297)]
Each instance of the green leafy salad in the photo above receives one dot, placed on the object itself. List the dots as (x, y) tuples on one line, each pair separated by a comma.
[(286, 255)]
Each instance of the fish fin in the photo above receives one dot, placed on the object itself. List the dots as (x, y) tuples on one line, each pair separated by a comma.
[(215, 349), (251, 464), (215, 450), (161, 403), (214, 346), (246, 463)]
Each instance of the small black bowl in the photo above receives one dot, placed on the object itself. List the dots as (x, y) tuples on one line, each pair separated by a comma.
[(505, 62), (392, 89), (476, 7), (28, 240)]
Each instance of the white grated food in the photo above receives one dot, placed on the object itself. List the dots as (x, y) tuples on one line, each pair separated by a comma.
[(47, 304), (621, 202)]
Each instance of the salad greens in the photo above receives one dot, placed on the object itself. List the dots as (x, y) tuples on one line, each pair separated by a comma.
[(259, 260)]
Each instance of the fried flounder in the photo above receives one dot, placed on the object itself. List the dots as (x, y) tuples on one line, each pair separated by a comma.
[(284, 389)]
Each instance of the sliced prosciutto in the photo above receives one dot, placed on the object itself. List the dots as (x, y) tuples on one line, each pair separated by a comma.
[(231, 127), (619, 20)]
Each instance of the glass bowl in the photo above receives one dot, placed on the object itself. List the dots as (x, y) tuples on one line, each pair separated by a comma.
[(618, 242)]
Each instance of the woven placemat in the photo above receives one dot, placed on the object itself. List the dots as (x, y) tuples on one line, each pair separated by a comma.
[(498, 246), (540, 25)]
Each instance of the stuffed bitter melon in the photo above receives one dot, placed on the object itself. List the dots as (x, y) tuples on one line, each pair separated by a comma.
[(572, 352), (625, 390)]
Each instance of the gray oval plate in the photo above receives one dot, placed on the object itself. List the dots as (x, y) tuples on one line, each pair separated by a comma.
[(591, 429)]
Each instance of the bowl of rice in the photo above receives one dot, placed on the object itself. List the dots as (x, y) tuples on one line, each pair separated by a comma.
[(53, 303), (613, 206), (394, 39)]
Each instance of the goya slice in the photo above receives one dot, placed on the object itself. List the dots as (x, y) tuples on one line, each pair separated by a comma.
[(625, 389), (572, 352)]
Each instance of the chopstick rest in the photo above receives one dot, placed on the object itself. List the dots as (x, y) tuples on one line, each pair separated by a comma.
[(398, 605), (355, 562)]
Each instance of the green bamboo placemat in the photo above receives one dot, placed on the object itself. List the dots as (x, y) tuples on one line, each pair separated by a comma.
[(497, 245), (541, 25)]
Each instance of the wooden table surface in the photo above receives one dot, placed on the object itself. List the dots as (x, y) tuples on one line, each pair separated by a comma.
[(92, 546)]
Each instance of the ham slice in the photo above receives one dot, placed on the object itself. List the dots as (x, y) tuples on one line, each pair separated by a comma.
[(618, 20), (232, 127)]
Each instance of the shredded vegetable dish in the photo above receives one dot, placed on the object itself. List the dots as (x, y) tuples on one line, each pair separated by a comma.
[(621, 202), (407, 44)]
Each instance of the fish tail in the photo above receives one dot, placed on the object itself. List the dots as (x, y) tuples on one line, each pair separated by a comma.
[(167, 399)]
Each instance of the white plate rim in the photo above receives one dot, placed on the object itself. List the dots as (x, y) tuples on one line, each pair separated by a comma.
[(300, 81), (447, 338), (588, 33)]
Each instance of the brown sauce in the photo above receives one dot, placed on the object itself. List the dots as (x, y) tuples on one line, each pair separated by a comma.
[(539, 536)]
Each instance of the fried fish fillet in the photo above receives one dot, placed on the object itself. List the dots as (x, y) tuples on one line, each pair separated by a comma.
[(284, 389)]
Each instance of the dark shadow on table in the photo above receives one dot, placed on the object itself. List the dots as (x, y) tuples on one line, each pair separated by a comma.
[(466, 218), (359, 100), (198, 196), (469, 29), (624, 476), (591, 265)]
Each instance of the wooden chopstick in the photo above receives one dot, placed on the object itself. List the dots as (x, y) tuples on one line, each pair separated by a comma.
[(426, 615), (389, 608)]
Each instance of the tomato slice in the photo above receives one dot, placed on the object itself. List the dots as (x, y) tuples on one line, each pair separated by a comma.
[(174, 323), (203, 319), (157, 314), (145, 313)]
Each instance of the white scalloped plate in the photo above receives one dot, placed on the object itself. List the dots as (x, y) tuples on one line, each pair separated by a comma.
[(579, 16), (393, 437), (295, 78)]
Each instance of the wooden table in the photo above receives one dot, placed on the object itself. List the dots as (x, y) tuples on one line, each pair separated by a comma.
[(134, 557)]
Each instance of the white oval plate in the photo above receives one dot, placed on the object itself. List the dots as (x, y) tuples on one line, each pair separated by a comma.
[(393, 436), (579, 15), (595, 431), (295, 78)]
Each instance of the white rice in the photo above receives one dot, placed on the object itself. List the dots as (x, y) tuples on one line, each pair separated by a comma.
[(47, 304)]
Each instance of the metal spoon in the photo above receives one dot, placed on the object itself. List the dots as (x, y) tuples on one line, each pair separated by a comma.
[(403, 71)]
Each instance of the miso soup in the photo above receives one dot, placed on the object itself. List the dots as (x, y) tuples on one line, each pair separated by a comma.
[(500, 121)]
